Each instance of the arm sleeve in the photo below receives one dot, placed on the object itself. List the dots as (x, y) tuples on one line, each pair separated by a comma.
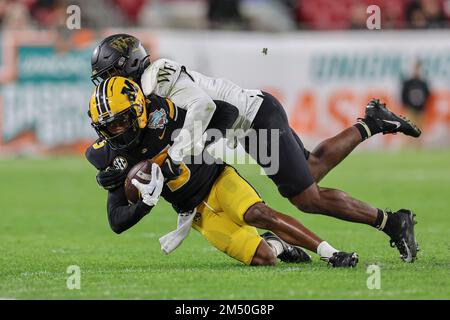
[(122, 216), (200, 108)]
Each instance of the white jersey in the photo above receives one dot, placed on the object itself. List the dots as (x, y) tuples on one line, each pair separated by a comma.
[(195, 92), (245, 100)]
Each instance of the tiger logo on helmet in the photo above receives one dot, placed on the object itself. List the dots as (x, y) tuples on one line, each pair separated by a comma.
[(117, 109)]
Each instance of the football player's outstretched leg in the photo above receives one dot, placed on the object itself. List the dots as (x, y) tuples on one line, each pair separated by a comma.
[(378, 119), (300, 170), (287, 239)]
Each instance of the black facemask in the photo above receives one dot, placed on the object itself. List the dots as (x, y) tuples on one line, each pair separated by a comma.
[(128, 138)]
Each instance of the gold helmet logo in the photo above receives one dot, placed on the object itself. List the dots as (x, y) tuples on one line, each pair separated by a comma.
[(115, 95), (122, 44)]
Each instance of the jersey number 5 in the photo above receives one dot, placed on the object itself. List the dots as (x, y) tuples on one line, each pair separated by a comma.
[(181, 180)]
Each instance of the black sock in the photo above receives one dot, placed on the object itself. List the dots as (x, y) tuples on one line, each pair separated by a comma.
[(391, 225), (367, 128), (379, 220)]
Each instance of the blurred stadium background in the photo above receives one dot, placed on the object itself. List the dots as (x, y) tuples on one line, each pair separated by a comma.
[(317, 62), (316, 56)]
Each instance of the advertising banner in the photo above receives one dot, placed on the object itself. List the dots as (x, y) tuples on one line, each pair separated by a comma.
[(323, 80)]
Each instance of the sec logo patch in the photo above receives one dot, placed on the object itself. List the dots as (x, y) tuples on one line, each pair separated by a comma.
[(120, 163)]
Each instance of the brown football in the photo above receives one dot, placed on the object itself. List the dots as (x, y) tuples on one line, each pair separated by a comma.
[(142, 173)]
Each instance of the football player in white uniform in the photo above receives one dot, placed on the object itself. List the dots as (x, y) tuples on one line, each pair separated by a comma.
[(256, 111)]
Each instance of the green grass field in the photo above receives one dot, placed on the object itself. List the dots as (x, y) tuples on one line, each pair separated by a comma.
[(52, 215)]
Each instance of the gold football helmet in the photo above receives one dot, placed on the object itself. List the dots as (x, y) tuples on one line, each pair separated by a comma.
[(118, 112)]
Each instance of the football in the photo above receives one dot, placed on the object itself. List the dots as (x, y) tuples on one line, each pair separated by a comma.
[(142, 173)]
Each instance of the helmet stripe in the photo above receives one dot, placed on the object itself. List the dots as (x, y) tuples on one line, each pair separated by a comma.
[(102, 100), (97, 100), (105, 97)]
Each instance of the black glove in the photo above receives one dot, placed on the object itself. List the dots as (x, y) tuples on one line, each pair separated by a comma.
[(111, 178), (170, 169)]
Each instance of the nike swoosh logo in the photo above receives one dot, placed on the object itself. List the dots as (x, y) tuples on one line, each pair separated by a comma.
[(162, 134), (396, 123)]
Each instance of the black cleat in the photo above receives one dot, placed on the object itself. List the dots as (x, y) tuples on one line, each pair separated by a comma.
[(405, 241), (290, 254), (343, 260), (389, 122)]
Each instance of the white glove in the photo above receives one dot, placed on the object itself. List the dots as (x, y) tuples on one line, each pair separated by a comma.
[(151, 191)]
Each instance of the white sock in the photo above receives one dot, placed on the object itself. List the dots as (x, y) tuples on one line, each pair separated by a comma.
[(324, 250), (276, 246)]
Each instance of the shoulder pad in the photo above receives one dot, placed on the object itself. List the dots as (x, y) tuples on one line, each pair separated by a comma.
[(156, 103), (98, 154), (160, 77)]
